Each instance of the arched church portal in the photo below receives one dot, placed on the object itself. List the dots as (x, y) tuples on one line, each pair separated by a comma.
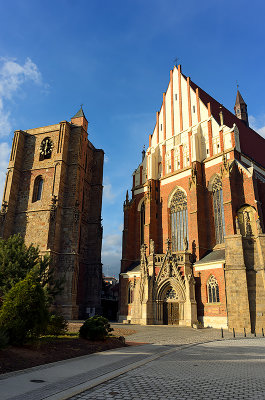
[(170, 305)]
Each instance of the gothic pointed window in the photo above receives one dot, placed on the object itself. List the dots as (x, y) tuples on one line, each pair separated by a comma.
[(213, 290), (142, 222), (218, 209), (179, 221), (130, 293), (37, 189)]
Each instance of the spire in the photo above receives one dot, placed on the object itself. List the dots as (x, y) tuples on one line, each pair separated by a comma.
[(241, 108), (80, 119), (79, 113), (239, 98)]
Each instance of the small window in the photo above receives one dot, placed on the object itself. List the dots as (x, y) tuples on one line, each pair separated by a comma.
[(213, 290), (37, 189), (193, 109), (207, 151), (176, 96), (161, 127)]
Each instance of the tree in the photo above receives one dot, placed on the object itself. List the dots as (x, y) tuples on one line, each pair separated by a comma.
[(16, 260), (24, 313)]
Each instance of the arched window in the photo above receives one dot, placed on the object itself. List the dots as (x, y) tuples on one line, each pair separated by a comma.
[(37, 189), (179, 221), (142, 222), (130, 294), (218, 209), (213, 290)]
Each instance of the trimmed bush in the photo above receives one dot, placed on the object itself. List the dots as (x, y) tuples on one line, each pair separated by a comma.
[(95, 328), (24, 313), (57, 325)]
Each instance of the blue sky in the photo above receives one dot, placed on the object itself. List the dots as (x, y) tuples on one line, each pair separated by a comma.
[(114, 57)]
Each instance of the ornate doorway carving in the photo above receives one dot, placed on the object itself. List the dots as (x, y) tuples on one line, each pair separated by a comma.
[(170, 308)]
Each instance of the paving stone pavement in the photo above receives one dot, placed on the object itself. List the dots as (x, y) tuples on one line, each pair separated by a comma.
[(172, 335), (230, 369)]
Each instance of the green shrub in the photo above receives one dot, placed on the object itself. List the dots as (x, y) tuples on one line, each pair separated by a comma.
[(57, 325), (4, 340), (24, 313), (95, 328)]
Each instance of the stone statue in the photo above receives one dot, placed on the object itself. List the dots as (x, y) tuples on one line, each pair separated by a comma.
[(186, 244), (152, 246)]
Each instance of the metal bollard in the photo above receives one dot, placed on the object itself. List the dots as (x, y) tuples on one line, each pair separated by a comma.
[(222, 333), (234, 334), (262, 331), (245, 335)]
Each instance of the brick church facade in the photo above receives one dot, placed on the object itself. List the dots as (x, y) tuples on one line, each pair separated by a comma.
[(193, 241), (53, 197)]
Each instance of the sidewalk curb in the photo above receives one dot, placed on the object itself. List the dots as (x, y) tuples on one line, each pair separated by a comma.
[(75, 390)]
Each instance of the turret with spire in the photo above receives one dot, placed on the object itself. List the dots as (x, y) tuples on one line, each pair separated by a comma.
[(80, 119), (241, 108)]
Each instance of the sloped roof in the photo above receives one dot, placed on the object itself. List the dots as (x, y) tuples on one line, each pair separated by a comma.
[(134, 267), (251, 143), (213, 256)]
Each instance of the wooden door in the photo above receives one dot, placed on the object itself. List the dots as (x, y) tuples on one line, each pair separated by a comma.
[(171, 313)]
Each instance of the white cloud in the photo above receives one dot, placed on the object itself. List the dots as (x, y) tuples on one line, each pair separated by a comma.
[(12, 76), (4, 157), (111, 253), (258, 124), (108, 194)]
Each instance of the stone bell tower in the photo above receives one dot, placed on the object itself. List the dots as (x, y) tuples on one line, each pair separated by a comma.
[(53, 197)]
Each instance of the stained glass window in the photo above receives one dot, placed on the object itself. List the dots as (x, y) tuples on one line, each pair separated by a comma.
[(179, 221), (218, 209), (213, 290)]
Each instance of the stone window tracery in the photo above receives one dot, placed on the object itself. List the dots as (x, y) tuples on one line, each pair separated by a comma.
[(213, 290), (218, 209), (179, 220), (171, 294)]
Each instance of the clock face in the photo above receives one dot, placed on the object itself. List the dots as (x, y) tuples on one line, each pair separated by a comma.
[(46, 147)]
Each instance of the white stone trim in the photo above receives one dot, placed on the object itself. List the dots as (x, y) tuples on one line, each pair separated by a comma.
[(214, 322), (131, 274), (248, 162), (217, 160), (141, 190), (207, 266), (175, 177)]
